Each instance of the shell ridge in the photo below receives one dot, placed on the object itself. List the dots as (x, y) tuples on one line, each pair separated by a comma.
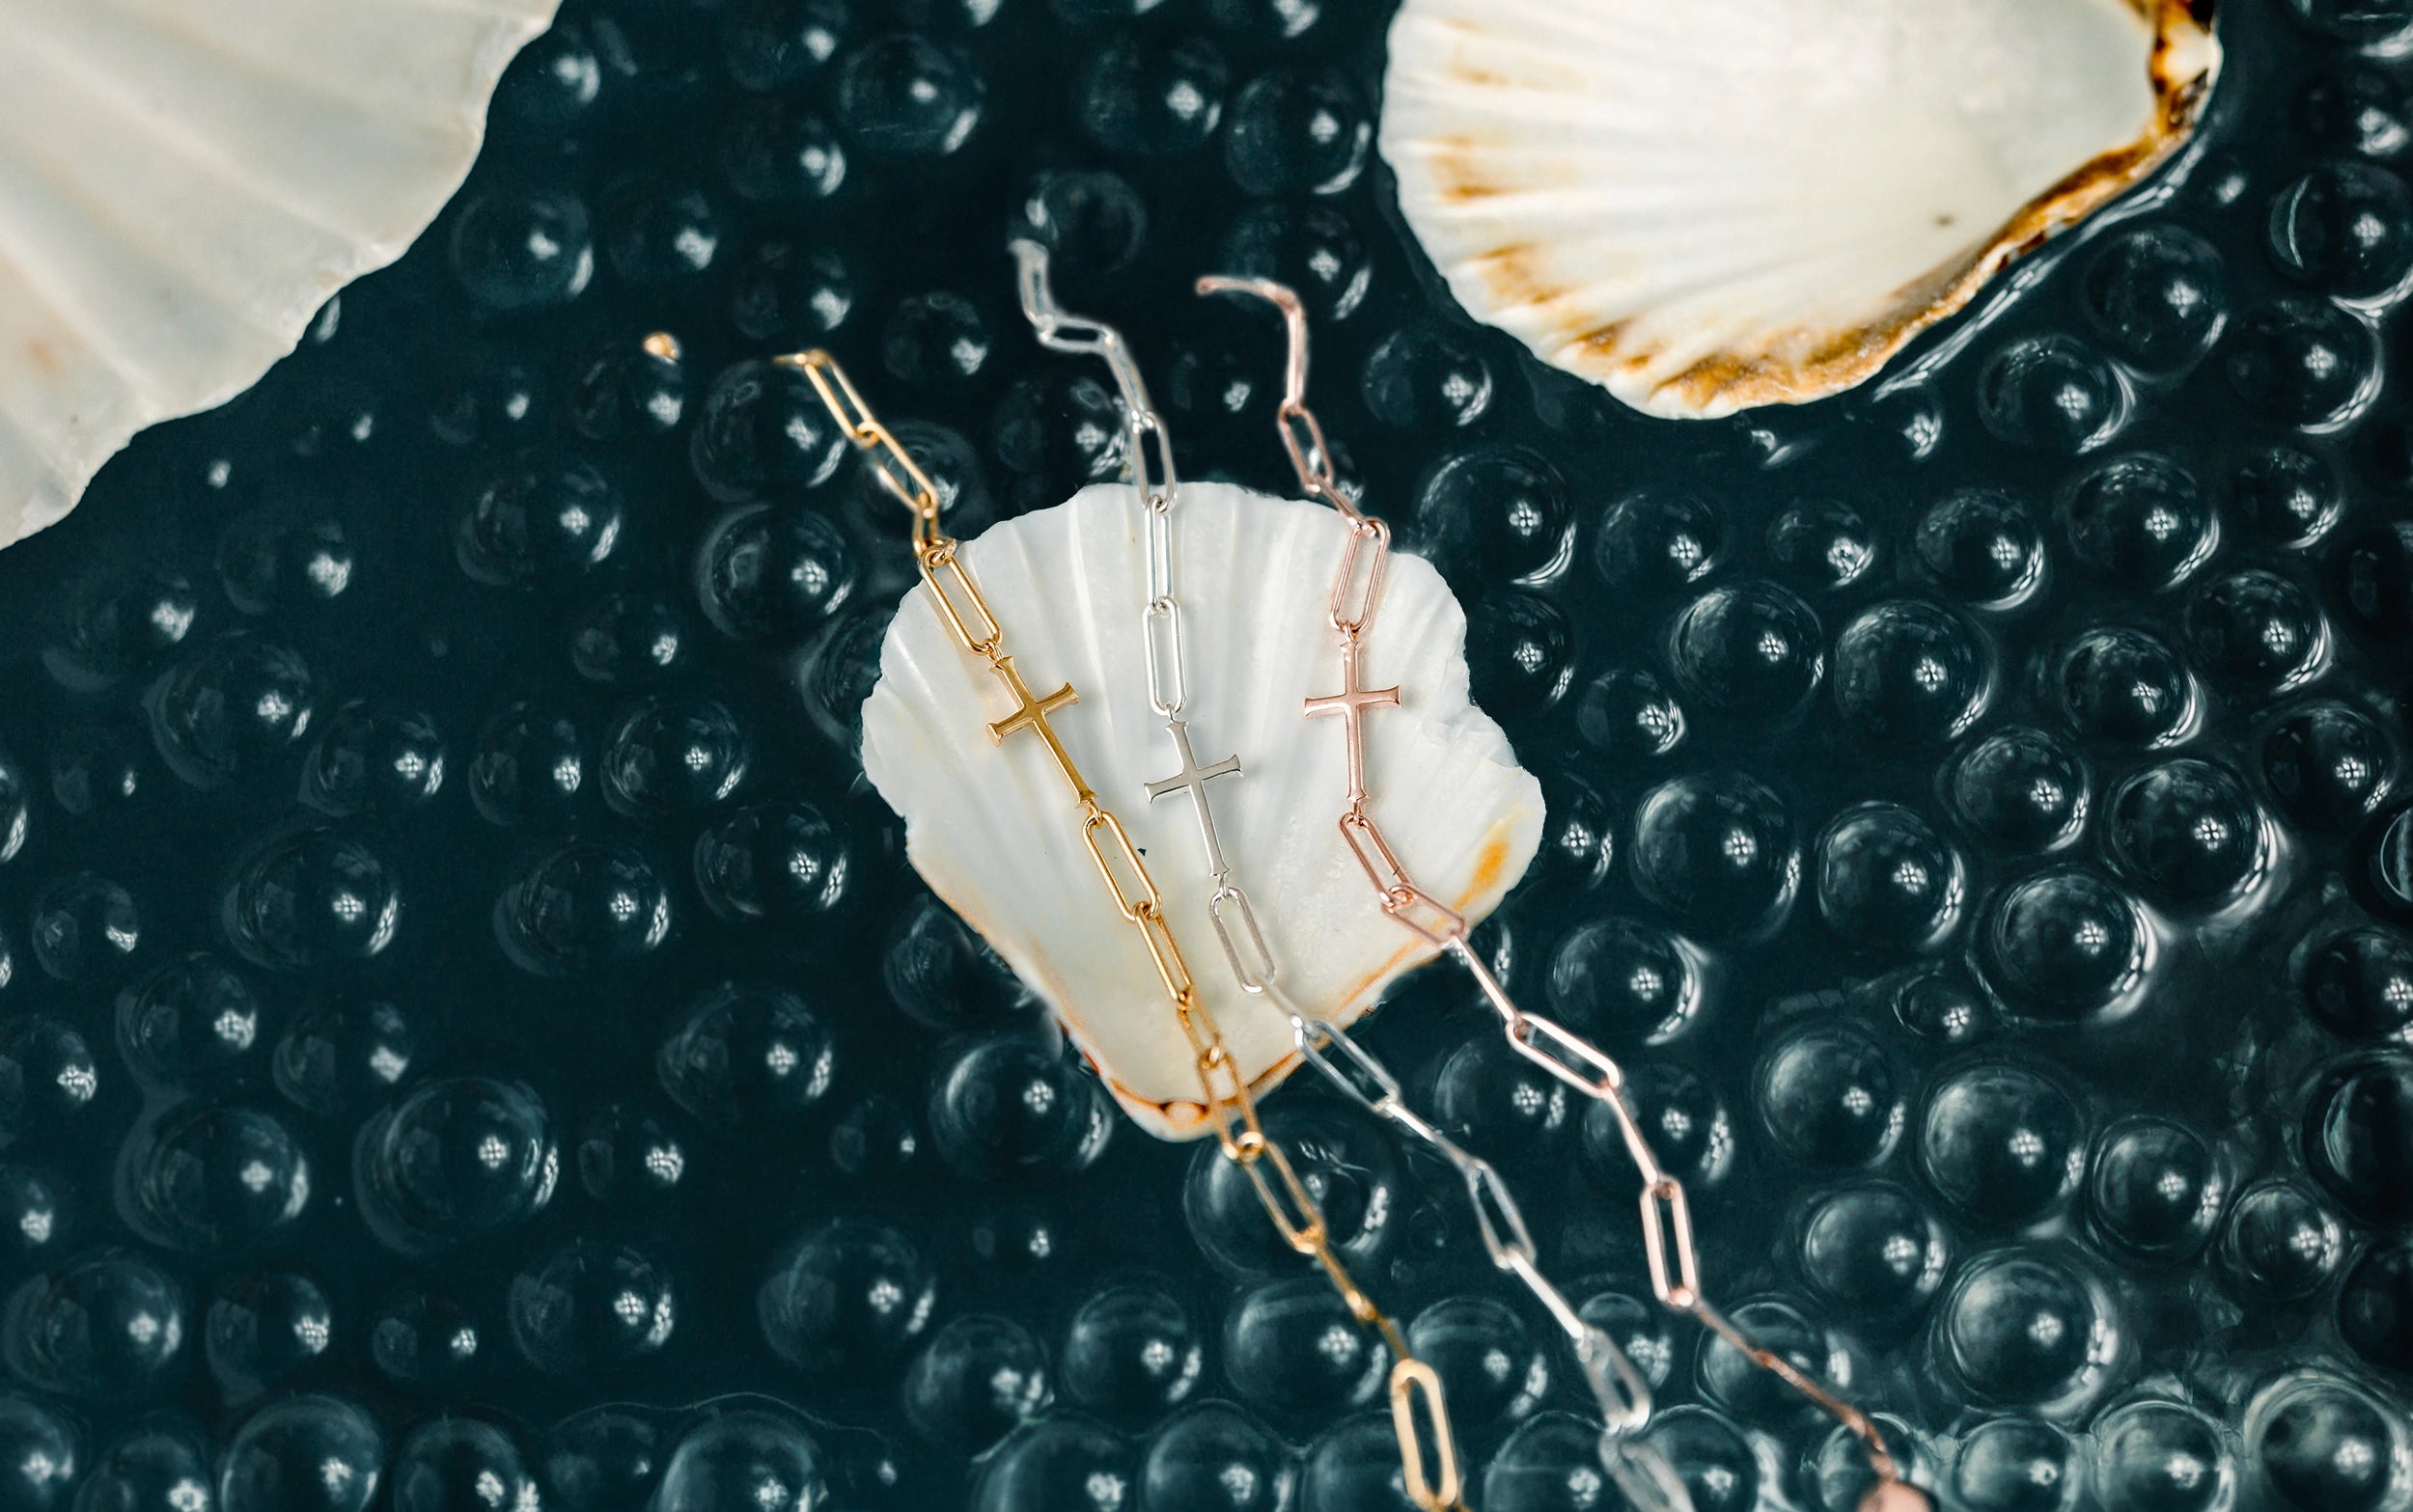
[(1452, 743), (1351, 996), (23, 472), (1237, 725), (532, 14), (41, 268), (161, 132), (1101, 528), (108, 213), (22, 305), (1101, 515), (271, 41), (258, 124)]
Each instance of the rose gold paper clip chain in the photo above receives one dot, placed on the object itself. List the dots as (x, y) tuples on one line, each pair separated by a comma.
[(1416, 1406), (1669, 1251)]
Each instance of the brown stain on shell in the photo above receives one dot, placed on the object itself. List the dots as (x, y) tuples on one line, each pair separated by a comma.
[(1814, 363)]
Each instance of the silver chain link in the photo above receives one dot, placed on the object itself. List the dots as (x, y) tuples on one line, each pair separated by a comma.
[(1618, 1388), (1669, 1249), (1149, 449)]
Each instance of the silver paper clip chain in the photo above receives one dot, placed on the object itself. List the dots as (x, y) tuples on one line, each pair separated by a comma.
[(1618, 1388)]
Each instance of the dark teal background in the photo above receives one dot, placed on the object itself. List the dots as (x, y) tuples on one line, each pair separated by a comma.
[(476, 619)]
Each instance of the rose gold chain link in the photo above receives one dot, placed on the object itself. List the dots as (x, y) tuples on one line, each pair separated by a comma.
[(1673, 1257)]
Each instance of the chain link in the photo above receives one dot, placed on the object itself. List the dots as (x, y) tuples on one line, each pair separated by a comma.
[(895, 467), (1148, 456), (1673, 1259), (1302, 433)]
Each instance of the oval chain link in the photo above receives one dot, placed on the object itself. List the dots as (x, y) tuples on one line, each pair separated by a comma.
[(1148, 454), (1622, 1391), (1673, 1259)]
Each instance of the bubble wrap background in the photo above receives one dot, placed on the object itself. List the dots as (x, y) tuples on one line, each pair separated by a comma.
[(469, 1042)]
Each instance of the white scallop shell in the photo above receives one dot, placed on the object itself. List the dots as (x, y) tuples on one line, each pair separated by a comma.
[(182, 185), (994, 831), (1705, 204)]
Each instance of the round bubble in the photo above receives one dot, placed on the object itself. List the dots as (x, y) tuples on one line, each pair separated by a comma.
[(38, 1452), (1872, 1250), (2324, 1446), (844, 1298), (2279, 1244), (2358, 1134), (592, 1308), (2065, 945), (1129, 1350), (977, 1379), (752, 1459), (1066, 1463), (2000, 1143), (310, 1454), (2019, 789), (1886, 880), (1718, 851), (1291, 1348), (108, 1327), (1214, 1457), (2153, 1456), (461, 1465), (2017, 1465), (1829, 1097), (460, 1157), (2022, 1327), (1015, 1103), (604, 1459), (264, 1328), (2156, 1189)]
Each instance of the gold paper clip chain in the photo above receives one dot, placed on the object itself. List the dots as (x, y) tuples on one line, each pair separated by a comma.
[(1669, 1251), (1416, 1406)]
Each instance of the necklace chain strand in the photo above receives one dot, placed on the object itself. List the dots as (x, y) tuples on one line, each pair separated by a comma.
[(1416, 1404), (1621, 1390), (1667, 1247)]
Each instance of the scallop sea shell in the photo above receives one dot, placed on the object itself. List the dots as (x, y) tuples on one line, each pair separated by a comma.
[(994, 831), (1708, 205), (182, 185)]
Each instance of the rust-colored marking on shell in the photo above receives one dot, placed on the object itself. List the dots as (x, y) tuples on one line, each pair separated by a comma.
[(1840, 359), (1810, 363)]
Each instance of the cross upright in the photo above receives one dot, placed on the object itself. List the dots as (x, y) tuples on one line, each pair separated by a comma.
[(1351, 704), (1031, 714), (1193, 778)]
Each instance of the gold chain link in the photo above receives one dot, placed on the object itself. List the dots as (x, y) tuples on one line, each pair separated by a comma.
[(1415, 1389)]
